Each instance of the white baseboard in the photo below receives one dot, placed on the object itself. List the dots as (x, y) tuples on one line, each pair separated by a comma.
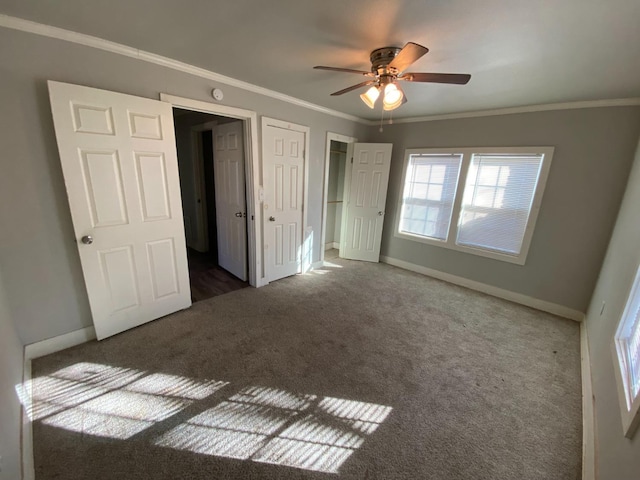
[(588, 413), (55, 344), (543, 305), (35, 350), (26, 435), (331, 245), (315, 265)]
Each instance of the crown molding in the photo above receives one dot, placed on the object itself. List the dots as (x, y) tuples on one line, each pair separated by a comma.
[(618, 102), (36, 28)]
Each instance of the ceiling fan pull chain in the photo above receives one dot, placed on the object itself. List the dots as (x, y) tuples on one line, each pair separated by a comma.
[(381, 121)]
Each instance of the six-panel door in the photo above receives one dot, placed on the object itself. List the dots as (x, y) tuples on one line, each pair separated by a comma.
[(365, 209), (231, 204), (119, 161), (283, 167)]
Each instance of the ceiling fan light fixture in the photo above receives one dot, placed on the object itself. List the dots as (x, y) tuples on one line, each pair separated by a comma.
[(393, 97), (370, 96), (388, 65)]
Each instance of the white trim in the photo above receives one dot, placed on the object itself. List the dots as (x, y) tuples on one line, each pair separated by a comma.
[(36, 350), (629, 405), (26, 434), (325, 191), (616, 102), (330, 246), (252, 172), (61, 342), (307, 230), (588, 418), (465, 163), (316, 265), (554, 308), (113, 47), (49, 31)]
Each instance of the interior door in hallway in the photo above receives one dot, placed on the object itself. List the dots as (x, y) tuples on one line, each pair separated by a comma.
[(118, 157), (363, 215), (283, 170), (231, 203)]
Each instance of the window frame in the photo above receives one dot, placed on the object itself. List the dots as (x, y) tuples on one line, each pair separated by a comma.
[(399, 219), (467, 155), (629, 406)]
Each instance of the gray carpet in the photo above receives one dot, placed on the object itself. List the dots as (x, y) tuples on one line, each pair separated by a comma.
[(357, 371)]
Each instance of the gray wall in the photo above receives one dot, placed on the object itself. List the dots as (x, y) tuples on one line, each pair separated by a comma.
[(618, 457), (10, 376), (593, 154), (43, 280)]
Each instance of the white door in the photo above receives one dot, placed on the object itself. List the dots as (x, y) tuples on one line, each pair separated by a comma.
[(231, 203), (363, 215), (283, 170), (120, 169)]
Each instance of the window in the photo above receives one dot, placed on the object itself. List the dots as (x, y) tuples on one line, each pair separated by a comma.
[(627, 350), (477, 200), (429, 189)]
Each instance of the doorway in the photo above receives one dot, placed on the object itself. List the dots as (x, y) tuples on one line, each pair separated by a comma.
[(213, 201), (335, 173)]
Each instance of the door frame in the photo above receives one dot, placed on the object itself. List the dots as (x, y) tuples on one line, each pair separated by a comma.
[(325, 191), (307, 232), (252, 175)]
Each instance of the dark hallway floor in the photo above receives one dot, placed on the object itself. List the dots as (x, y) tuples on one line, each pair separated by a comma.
[(208, 279)]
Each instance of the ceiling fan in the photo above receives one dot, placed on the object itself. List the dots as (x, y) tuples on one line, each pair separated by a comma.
[(388, 65)]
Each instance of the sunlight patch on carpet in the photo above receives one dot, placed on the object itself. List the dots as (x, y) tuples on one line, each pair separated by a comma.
[(274, 426), (254, 423)]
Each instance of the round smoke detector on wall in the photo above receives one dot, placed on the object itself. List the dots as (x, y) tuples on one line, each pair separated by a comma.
[(217, 94)]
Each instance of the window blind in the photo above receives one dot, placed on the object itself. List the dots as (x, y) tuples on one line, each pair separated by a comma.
[(429, 191), (633, 349), (497, 200)]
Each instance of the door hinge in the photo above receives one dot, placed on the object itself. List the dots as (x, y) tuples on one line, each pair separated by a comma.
[(351, 159)]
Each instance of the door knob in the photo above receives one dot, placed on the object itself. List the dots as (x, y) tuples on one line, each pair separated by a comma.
[(87, 239), (272, 219), (239, 214), (380, 213)]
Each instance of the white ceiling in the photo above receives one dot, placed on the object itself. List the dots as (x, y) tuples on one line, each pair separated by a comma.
[(518, 52)]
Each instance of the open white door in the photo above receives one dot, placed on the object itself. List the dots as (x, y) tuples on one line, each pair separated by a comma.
[(283, 168), (363, 215), (231, 203), (120, 168)]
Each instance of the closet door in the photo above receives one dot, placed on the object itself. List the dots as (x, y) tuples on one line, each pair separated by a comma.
[(363, 214)]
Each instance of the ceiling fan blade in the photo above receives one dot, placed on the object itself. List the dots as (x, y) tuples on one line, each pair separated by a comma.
[(409, 54), (353, 87), (347, 70), (454, 78)]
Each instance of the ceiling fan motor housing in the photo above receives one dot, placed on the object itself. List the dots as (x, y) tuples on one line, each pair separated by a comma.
[(381, 58)]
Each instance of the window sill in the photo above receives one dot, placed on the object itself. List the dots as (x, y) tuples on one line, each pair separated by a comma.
[(518, 260)]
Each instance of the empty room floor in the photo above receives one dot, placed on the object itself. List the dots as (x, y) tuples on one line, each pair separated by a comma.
[(353, 371)]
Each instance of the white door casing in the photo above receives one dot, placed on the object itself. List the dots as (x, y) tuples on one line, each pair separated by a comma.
[(252, 174), (231, 204), (327, 162), (120, 168), (363, 215), (283, 181)]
